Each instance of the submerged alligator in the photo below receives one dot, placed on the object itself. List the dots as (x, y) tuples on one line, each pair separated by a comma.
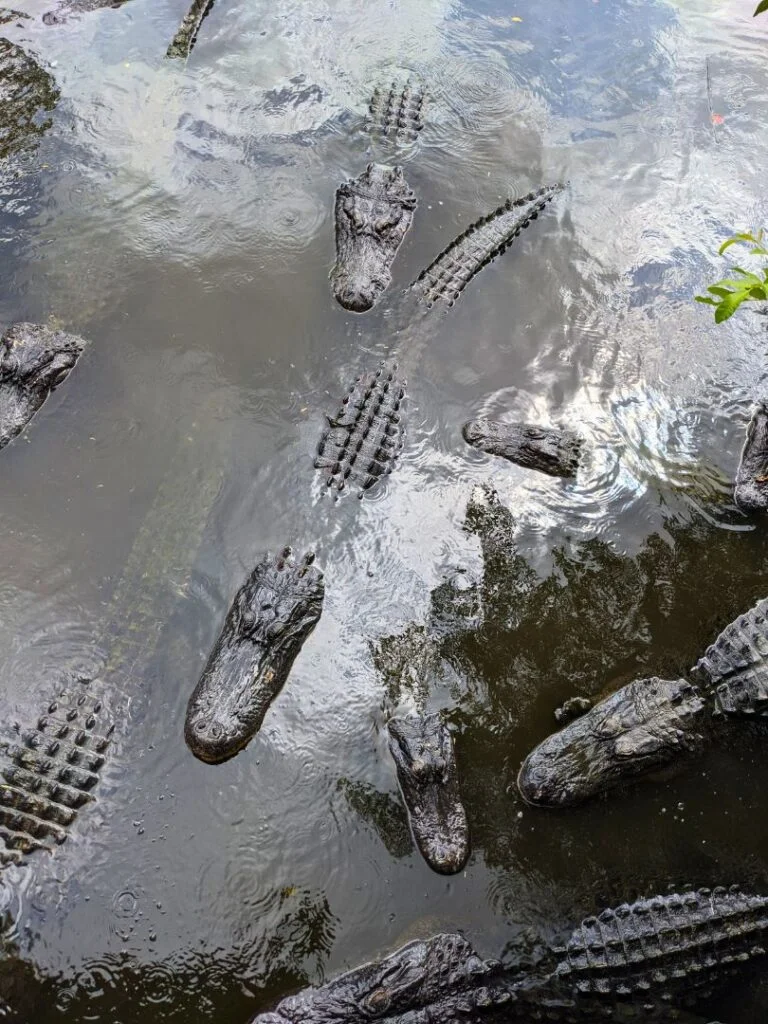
[(751, 489), (651, 960), (67, 7), (184, 41), (653, 723), (50, 768), (34, 360)]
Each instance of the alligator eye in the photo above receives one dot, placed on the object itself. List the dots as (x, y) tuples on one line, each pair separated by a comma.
[(377, 1001)]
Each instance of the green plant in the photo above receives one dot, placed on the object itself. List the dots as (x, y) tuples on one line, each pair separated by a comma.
[(761, 8), (748, 286)]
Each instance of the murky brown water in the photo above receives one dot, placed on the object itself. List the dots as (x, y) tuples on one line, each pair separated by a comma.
[(179, 216)]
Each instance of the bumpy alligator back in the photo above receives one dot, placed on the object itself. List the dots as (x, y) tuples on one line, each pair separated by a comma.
[(664, 945), (480, 244), (366, 435), (736, 664), (51, 772), (397, 111)]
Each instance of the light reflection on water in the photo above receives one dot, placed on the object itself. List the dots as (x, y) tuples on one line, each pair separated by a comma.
[(179, 215)]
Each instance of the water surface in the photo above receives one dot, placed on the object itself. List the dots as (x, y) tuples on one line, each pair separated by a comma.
[(178, 214)]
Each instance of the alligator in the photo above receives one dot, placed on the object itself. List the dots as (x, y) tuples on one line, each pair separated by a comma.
[(555, 452), (34, 360), (653, 723), (271, 616), (655, 960), (50, 769), (67, 7), (29, 94), (374, 212), (364, 438), (751, 489), (422, 749), (184, 41)]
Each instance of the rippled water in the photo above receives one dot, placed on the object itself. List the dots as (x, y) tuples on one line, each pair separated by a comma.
[(178, 214)]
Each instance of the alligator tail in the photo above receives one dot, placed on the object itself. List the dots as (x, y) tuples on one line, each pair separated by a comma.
[(448, 276)]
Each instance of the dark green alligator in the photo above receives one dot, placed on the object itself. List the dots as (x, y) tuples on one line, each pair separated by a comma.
[(653, 723), (652, 961), (34, 360)]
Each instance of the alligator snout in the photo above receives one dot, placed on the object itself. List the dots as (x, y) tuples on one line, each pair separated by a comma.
[(358, 295), (542, 782), (211, 741)]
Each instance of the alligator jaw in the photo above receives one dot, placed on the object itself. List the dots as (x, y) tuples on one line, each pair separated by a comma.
[(642, 727), (422, 749), (373, 214), (751, 490), (271, 616), (410, 986)]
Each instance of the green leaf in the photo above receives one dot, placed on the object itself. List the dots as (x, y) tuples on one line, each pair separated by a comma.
[(717, 290), (758, 292), (706, 299), (726, 309), (743, 236), (761, 8), (758, 252)]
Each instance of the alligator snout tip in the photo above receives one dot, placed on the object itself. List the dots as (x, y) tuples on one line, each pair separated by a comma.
[(355, 298), (210, 742), (536, 784), (448, 858)]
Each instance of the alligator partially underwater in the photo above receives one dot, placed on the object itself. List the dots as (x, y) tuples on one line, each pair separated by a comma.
[(375, 210), (184, 41), (654, 960), (271, 616), (34, 361), (751, 488), (51, 766), (654, 723), (422, 749), (66, 7)]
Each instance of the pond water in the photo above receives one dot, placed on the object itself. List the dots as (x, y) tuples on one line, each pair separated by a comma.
[(179, 215)]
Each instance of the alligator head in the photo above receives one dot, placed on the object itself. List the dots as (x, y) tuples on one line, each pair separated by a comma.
[(34, 360), (751, 490), (271, 616), (404, 988), (373, 214), (642, 727), (422, 749)]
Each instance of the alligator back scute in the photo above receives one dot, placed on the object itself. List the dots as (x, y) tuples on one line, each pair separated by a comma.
[(397, 111), (51, 772), (736, 664), (447, 277), (660, 945), (364, 438)]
